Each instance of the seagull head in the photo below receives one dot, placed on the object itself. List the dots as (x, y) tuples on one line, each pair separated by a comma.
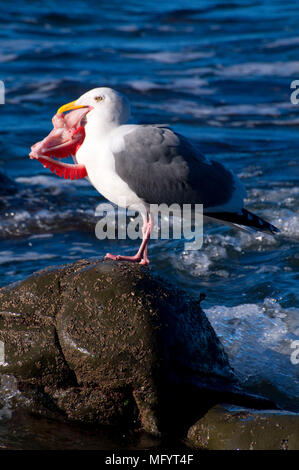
[(93, 114), (106, 108)]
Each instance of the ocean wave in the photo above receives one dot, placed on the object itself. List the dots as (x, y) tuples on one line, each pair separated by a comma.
[(257, 338), (170, 57), (193, 85), (284, 211), (9, 256), (35, 91), (212, 260), (293, 41), (22, 223), (7, 57), (249, 69), (143, 85), (50, 181), (223, 112)]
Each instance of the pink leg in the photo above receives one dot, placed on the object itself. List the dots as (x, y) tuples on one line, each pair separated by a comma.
[(144, 261), (141, 255)]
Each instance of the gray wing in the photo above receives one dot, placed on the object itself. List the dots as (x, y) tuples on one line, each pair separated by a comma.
[(161, 166)]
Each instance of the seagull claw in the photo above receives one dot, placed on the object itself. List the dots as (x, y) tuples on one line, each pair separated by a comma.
[(110, 256), (132, 259), (144, 262), (141, 255)]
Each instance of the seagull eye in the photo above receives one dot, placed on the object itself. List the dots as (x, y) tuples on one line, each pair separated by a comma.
[(98, 98)]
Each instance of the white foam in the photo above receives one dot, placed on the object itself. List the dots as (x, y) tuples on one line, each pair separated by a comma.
[(168, 57), (25, 223), (192, 85), (201, 262), (48, 181), (247, 69), (282, 42), (257, 338), (7, 57), (36, 92), (202, 111), (9, 393), (143, 85), (40, 236), (284, 211), (216, 245), (77, 249), (8, 256)]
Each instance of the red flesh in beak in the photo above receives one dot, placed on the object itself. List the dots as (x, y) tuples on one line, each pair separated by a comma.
[(64, 140)]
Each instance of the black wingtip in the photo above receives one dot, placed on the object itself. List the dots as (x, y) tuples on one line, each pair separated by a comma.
[(245, 218), (258, 223), (274, 229)]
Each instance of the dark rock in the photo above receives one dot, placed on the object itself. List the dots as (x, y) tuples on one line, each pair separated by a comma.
[(108, 343), (228, 428), (103, 342)]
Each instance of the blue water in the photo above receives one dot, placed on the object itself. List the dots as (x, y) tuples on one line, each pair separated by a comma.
[(218, 72)]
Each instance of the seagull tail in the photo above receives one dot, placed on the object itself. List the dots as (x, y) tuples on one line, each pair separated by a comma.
[(244, 220)]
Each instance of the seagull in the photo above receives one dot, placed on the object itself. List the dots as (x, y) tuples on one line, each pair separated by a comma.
[(136, 165)]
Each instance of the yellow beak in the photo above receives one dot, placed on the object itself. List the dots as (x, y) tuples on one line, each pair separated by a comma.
[(69, 107)]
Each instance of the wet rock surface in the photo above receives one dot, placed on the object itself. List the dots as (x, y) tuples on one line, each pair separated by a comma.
[(230, 428), (101, 342), (107, 343)]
